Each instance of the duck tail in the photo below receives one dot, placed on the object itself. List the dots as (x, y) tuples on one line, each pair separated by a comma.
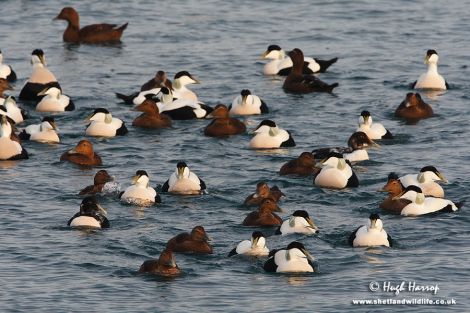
[(127, 99), (332, 86), (325, 64), (460, 204), (122, 27)]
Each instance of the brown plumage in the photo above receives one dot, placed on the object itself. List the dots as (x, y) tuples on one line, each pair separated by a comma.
[(196, 242), (4, 85), (158, 81), (164, 266), (413, 108), (394, 188), (296, 82), (223, 125), (101, 178), (82, 154), (95, 33), (262, 192), (151, 118), (265, 215), (303, 165)]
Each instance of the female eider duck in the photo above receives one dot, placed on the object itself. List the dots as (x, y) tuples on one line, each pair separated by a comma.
[(82, 154), (254, 247), (180, 91), (394, 188), (372, 130), (43, 132), (165, 265), (14, 112), (263, 191), (184, 181), (370, 235), (54, 101), (4, 85), (269, 136), (197, 242), (265, 215), (248, 104), (222, 124), (426, 180), (9, 149), (99, 182), (140, 192), (95, 33), (431, 79), (181, 109), (150, 88), (296, 82), (281, 64), (6, 71), (151, 117), (293, 259), (299, 222), (303, 165), (336, 173), (40, 78), (413, 108), (91, 215), (103, 124), (421, 205)]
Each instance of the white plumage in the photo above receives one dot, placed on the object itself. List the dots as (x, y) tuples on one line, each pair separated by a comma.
[(140, 192), (103, 124), (334, 173), (426, 180), (431, 79), (268, 136), (256, 246), (280, 61), (371, 235), (43, 132), (13, 111), (53, 101), (421, 205), (247, 104)]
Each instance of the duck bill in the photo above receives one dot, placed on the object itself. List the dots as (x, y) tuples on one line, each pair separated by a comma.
[(311, 224), (135, 178), (265, 54), (398, 196), (442, 177), (254, 243), (279, 209), (43, 60), (72, 151), (373, 144), (54, 125), (43, 92), (308, 255), (207, 238), (180, 172), (101, 209)]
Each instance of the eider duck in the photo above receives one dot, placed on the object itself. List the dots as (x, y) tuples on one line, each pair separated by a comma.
[(160, 79), (222, 124), (181, 109), (413, 108), (99, 181), (9, 149), (197, 242), (6, 71), (95, 33), (151, 117), (43, 132), (180, 91), (426, 180), (254, 247), (421, 205), (372, 130), (265, 215), (103, 124), (91, 215), (14, 112), (394, 188), (269, 136), (4, 85), (293, 259), (150, 88), (370, 235), (54, 101), (82, 154), (336, 173), (262, 192), (140, 192), (248, 104), (299, 222), (431, 79), (296, 82), (303, 165), (165, 265), (184, 181)]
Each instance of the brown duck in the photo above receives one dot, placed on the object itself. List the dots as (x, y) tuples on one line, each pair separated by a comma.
[(101, 178), (82, 154), (413, 108), (303, 165), (262, 192), (164, 266), (197, 241), (265, 215), (223, 125), (151, 117), (394, 188)]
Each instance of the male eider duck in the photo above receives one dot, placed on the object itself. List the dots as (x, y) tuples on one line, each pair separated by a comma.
[(299, 222), (336, 173), (91, 215), (4, 85), (181, 109), (413, 108), (82, 154), (150, 88), (165, 265), (293, 259), (303, 165), (140, 192), (6, 71), (54, 101), (151, 117), (296, 82), (180, 81), (426, 180), (222, 124), (197, 242), (40, 78), (95, 33), (184, 181), (372, 130), (13, 111), (281, 64), (9, 149), (431, 79), (254, 247), (269, 136), (370, 235), (99, 182), (265, 215), (263, 191), (248, 104), (394, 188), (103, 124), (43, 132)]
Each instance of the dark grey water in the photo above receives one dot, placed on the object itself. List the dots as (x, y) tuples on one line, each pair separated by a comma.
[(381, 45)]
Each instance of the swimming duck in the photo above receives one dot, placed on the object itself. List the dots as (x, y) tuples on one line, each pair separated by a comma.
[(13, 111), (180, 91), (40, 78), (293, 259), (164, 266), (413, 108), (4, 85), (254, 247), (269, 136), (140, 192), (282, 65), (151, 117), (421, 205), (95, 33), (431, 79), (265, 215), (336, 173), (299, 222), (303, 165), (91, 214), (296, 82), (103, 124), (370, 235), (151, 87), (222, 124), (54, 101), (99, 181), (248, 104), (43, 132), (394, 188), (9, 149), (184, 181), (6, 71), (82, 154), (262, 192), (197, 242), (159, 80), (181, 109), (426, 180), (372, 130)]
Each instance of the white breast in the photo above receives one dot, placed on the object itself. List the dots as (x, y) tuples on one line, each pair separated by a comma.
[(85, 221), (45, 136), (370, 238), (5, 70), (430, 205), (41, 75), (331, 177), (357, 155), (101, 129), (9, 148), (300, 226), (266, 141), (52, 104)]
